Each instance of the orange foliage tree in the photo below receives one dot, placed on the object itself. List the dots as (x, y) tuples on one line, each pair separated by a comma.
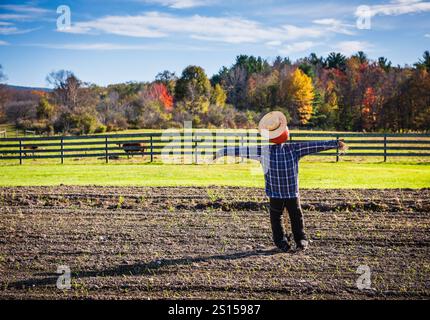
[(159, 92), (368, 111)]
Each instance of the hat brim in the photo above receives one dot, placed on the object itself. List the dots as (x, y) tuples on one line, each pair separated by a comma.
[(277, 132)]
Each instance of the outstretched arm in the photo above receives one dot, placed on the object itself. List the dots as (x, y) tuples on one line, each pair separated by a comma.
[(304, 148), (253, 153)]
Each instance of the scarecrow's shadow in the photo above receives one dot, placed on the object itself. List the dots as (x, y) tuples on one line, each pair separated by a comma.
[(158, 266), (154, 267)]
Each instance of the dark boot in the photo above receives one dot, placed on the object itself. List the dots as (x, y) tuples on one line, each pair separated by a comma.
[(302, 245), (276, 220), (297, 223)]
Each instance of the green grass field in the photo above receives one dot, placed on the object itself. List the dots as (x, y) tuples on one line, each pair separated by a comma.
[(316, 172), (312, 175)]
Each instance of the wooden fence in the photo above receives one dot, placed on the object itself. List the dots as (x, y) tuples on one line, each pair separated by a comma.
[(113, 146)]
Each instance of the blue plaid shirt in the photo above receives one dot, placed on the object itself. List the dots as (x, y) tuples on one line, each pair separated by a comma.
[(280, 163)]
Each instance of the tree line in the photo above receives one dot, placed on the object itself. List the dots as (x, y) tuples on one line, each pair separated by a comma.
[(333, 93)]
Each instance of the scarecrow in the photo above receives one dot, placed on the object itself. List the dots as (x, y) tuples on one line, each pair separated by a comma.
[(280, 162)]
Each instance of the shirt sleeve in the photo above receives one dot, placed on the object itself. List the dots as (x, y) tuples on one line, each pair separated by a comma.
[(304, 148), (253, 152)]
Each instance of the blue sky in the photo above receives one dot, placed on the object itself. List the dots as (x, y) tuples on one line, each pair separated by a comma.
[(112, 41)]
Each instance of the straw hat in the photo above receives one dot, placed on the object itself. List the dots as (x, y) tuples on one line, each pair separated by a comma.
[(273, 126)]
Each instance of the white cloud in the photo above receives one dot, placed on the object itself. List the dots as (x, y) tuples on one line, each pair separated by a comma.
[(8, 30), (13, 16), (350, 47), (181, 4), (4, 43), (274, 43), (315, 11), (221, 29), (113, 47), (297, 47), (327, 21), (398, 7), (24, 8), (93, 46), (336, 26), (14, 30), (427, 35), (19, 13)]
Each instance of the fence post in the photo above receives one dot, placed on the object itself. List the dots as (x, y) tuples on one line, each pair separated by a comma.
[(152, 150), (385, 147), (242, 159), (236, 144), (337, 149), (62, 150), (106, 149), (20, 151), (225, 143), (195, 149)]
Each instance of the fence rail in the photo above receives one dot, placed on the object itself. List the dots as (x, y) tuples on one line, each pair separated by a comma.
[(113, 146)]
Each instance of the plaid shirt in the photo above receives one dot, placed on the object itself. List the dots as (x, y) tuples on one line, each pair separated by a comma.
[(280, 163)]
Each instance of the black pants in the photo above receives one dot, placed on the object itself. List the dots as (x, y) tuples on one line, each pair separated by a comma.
[(294, 209)]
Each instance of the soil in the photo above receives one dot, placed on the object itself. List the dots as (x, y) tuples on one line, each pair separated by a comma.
[(189, 243)]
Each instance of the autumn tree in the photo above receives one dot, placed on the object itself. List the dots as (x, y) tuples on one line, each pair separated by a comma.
[(319, 119), (316, 61), (158, 92), (349, 93), (220, 77), (45, 110), (307, 69), (415, 101), (300, 95), (168, 79), (235, 82), (361, 57), (66, 88), (328, 86), (218, 96), (368, 110), (194, 90), (336, 61), (424, 63), (251, 64), (384, 64), (76, 101), (263, 90), (153, 115), (20, 108)]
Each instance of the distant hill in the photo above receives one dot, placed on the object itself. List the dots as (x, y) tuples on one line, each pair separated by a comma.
[(29, 88)]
